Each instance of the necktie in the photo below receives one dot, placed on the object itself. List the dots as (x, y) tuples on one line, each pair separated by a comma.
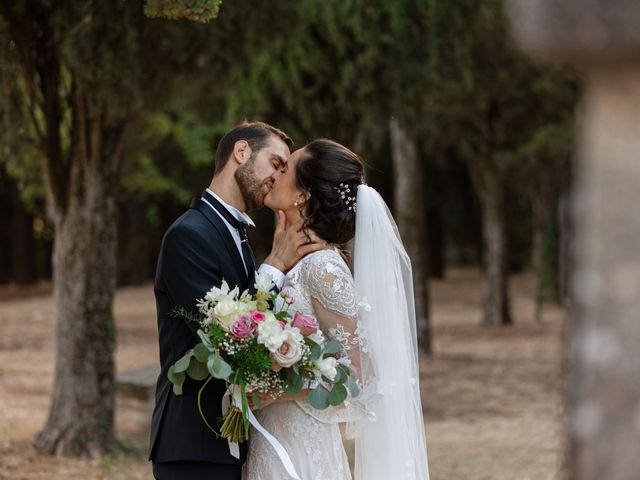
[(247, 253)]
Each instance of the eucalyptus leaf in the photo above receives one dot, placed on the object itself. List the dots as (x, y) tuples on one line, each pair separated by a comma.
[(337, 395), (353, 387), (205, 340), (316, 351), (257, 401), (294, 385), (318, 398), (183, 363), (211, 364), (218, 367), (177, 379), (342, 375), (201, 352), (225, 370), (331, 347), (197, 370)]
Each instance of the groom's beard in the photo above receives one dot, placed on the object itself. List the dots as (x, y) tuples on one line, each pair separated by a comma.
[(250, 185)]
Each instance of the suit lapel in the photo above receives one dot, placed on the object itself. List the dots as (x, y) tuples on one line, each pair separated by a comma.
[(222, 229)]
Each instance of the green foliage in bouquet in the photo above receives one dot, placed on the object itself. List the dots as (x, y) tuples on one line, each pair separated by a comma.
[(241, 339)]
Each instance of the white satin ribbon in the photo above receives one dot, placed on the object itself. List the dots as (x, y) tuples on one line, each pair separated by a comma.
[(234, 448)]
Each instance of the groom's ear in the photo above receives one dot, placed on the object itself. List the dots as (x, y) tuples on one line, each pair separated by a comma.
[(241, 151)]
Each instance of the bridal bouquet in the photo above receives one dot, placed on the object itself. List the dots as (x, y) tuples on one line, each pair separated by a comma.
[(258, 349)]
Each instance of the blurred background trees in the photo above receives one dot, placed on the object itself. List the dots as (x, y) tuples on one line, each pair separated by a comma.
[(75, 85), (476, 113), (110, 119)]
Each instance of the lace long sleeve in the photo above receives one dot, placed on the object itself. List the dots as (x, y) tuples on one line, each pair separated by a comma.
[(330, 286)]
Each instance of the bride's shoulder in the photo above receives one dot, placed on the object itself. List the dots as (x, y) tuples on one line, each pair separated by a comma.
[(323, 262), (322, 257)]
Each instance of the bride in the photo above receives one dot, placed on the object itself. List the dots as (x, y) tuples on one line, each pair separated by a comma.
[(371, 313)]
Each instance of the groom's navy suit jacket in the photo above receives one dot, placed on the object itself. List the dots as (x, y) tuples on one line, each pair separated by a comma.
[(197, 253)]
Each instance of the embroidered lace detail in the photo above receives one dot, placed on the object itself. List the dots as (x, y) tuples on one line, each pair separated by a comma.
[(329, 280), (360, 338), (312, 437), (314, 447)]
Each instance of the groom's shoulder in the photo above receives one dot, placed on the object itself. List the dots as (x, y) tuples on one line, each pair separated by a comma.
[(189, 227)]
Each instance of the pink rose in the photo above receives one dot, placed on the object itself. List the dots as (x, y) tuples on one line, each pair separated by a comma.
[(282, 323), (258, 317), (306, 323), (242, 327), (289, 352)]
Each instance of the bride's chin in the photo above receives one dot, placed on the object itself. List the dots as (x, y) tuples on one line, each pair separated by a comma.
[(268, 202)]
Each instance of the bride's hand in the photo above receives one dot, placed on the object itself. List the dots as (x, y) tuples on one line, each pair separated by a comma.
[(266, 399)]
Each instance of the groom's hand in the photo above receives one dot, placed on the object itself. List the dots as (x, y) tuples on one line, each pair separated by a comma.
[(291, 243)]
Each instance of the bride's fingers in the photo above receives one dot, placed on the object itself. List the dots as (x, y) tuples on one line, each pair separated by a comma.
[(311, 247), (313, 237)]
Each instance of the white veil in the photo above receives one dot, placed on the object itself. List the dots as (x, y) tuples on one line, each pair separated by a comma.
[(393, 446)]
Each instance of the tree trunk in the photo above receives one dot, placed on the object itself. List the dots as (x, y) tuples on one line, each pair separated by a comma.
[(22, 241), (565, 233), (542, 213), (497, 309), (5, 232), (604, 358), (537, 258), (603, 391), (80, 420), (411, 218), (435, 241)]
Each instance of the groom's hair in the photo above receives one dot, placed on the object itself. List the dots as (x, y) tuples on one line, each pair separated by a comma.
[(256, 135)]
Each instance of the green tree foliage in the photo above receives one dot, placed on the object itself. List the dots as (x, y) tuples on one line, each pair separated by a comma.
[(79, 83), (196, 10)]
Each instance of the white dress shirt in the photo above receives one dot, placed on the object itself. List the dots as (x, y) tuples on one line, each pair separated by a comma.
[(276, 275)]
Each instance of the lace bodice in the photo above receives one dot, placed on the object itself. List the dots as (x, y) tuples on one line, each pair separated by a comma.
[(321, 285), (325, 277)]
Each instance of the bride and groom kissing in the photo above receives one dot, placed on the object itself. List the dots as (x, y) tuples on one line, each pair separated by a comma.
[(321, 204)]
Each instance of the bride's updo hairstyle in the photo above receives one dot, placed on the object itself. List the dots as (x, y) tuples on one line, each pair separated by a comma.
[(331, 173)]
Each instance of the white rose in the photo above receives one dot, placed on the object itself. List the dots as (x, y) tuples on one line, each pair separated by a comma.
[(245, 307), (271, 334), (290, 351), (317, 337), (263, 282), (226, 312), (327, 367)]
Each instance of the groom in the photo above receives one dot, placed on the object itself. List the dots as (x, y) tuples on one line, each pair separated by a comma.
[(207, 244)]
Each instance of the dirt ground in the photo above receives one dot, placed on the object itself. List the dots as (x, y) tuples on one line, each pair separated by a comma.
[(492, 396)]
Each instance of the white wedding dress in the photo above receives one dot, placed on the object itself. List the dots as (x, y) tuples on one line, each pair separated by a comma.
[(312, 437), (372, 314)]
